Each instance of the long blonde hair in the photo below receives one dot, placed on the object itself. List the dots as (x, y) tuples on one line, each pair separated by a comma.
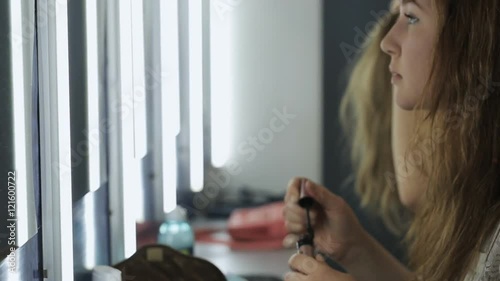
[(365, 113), (461, 205)]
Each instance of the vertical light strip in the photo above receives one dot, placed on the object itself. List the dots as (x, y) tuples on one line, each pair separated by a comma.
[(112, 15), (93, 97), (90, 232), (129, 171), (170, 109), (169, 26), (19, 121), (139, 103), (169, 151), (222, 89), (139, 90), (94, 133), (64, 141), (196, 94)]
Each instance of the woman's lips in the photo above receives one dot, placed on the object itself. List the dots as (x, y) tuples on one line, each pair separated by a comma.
[(396, 77)]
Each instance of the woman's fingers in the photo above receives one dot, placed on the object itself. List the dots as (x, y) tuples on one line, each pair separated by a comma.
[(313, 269), (295, 227), (324, 197), (295, 213), (290, 241), (294, 276), (296, 223), (295, 217), (293, 190), (303, 264)]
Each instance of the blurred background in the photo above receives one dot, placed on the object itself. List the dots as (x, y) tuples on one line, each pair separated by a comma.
[(115, 112)]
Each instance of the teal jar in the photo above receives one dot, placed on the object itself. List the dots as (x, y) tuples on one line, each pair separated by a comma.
[(176, 232)]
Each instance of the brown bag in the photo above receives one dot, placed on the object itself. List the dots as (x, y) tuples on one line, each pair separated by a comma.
[(162, 263)]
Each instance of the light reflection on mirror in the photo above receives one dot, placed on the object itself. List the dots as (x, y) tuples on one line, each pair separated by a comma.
[(22, 22)]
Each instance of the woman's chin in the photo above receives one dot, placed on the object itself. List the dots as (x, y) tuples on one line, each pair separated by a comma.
[(409, 201), (405, 102)]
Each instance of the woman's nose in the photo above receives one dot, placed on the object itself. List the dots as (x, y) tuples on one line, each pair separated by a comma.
[(389, 44)]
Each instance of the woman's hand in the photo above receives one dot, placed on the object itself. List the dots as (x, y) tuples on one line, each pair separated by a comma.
[(306, 268), (337, 231)]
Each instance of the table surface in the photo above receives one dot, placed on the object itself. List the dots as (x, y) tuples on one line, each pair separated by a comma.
[(273, 262)]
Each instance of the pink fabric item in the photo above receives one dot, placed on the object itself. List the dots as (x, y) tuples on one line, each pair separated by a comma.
[(259, 228), (260, 223)]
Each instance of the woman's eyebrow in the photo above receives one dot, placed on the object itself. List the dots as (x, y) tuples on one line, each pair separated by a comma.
[(414, 2)]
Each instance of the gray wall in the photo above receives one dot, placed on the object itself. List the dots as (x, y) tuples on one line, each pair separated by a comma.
[(276, 63)]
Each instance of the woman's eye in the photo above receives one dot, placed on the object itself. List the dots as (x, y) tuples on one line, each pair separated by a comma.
[(411, 19)]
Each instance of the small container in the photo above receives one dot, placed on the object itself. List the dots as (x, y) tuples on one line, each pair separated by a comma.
[(176, 232)]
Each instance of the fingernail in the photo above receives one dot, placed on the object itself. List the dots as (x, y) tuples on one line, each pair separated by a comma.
[(320, 257), (308, 187)]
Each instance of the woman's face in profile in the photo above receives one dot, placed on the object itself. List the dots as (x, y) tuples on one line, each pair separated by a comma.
[(410, 43)]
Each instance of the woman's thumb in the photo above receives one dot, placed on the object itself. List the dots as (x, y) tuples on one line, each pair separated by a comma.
[(320, 194)]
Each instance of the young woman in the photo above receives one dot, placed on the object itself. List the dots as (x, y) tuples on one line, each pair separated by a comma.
[(430, 150)]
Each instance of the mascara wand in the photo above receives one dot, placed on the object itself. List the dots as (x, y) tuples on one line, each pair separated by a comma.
[(305, 245)]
